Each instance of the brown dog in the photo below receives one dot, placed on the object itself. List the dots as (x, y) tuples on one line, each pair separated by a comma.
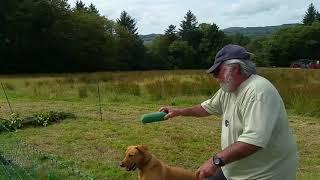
[(150, 167)]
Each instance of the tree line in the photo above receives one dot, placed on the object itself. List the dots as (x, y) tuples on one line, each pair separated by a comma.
[(50, 36), (290, 44), (40, 36)]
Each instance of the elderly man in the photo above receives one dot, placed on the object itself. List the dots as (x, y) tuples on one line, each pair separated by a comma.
[(256, 140)]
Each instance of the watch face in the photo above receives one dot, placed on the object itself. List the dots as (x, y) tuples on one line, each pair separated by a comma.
[(217, 161)]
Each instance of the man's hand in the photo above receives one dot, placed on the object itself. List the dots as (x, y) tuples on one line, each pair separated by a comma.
[(207, 169), (171, 112), (195, 111)]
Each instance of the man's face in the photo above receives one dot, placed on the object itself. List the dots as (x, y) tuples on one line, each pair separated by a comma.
[(226, 76)]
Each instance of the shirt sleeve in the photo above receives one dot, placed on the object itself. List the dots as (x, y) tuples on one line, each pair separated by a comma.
[(213, 105), (260, 116)]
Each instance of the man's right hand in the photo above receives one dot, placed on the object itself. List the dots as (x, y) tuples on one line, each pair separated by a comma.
[(171, 112)]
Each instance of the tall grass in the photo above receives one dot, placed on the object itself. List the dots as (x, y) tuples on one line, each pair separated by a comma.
[(299, 88), (175, 87)]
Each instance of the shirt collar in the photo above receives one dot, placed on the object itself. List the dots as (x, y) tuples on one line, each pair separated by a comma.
[(245, 83)]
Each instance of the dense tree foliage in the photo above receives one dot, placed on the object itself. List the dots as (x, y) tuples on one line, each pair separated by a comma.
[(311, 15), (192, 46), (127, 22), (51, 36), (287, 45), (290, 44)]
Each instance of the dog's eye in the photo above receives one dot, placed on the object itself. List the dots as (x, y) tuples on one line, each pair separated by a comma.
[(130, 155)]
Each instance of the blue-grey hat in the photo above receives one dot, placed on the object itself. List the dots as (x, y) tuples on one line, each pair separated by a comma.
[(230, 51)]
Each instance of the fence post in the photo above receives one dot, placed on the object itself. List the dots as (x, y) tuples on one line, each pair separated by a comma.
[(4, 91), (99, 97)]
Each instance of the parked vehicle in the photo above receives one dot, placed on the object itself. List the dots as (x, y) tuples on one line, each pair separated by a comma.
[(306, 64)]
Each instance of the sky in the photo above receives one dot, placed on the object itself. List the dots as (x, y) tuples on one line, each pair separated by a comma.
[(156, 16)]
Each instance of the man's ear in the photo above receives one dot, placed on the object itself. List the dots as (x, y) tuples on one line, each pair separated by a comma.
[(236, 68), (142, 148)]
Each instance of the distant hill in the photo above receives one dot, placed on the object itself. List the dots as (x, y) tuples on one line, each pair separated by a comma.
[(148, 38), (255, 31), (247, 31)]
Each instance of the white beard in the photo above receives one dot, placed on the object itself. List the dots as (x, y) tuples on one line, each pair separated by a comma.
[(229, 81), (224, 87)]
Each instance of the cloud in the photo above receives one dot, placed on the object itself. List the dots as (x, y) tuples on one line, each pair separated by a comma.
[(252, 7), (156, 16)]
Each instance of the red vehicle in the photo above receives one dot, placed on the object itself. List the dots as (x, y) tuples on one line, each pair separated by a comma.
[(314, 66), (306, 64)]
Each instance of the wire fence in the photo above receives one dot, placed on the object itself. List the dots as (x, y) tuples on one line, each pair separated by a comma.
[(22, 161)]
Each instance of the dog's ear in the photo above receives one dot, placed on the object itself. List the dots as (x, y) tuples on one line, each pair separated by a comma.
[(142, 148)]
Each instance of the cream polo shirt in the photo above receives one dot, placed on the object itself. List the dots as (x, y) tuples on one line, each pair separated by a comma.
[(255, 114)]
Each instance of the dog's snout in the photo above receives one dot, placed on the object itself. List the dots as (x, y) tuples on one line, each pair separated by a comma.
[(121, 164)]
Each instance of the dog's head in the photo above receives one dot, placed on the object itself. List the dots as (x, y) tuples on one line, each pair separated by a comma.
[(135, 156)]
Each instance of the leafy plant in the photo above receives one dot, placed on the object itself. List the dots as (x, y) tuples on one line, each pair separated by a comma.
[(45, 118), (12, 123)]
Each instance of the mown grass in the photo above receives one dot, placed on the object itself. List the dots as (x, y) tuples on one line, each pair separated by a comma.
[(96, 147)]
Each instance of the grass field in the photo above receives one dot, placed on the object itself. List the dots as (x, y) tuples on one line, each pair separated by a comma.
[(95, 146)]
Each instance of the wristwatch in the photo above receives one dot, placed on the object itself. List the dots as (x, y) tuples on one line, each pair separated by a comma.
[(218, 161)]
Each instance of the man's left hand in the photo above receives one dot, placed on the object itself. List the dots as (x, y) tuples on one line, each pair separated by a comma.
[(207, 169)]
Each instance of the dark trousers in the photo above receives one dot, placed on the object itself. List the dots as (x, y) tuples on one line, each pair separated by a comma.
[(218, 176)]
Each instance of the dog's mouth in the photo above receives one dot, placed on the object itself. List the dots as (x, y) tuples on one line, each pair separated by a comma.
[(132, 167)]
